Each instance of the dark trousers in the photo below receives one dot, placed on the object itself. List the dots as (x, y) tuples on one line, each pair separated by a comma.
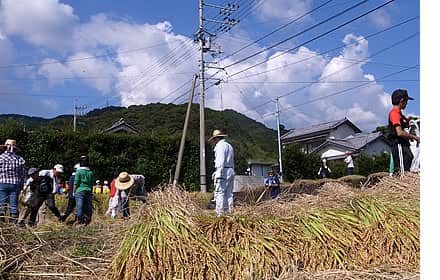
[(350, 170), (407, 157), (70, 206), (274, 192), (38, 201), (125, 207)]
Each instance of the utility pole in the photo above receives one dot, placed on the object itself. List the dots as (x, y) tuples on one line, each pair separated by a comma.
[(77, 111), (205, 46), (185, 128), (279, 138)]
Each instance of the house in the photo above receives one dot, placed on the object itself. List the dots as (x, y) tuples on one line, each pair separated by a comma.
[(371, 144), (256, 168), (121, 126), (332, 139), (309, 138)]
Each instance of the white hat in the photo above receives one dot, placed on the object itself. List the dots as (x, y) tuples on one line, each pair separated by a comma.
[(98, 181), (59, 168), (124, 181)]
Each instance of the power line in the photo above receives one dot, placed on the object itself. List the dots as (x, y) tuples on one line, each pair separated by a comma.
[(349, 89), (279, 28), (80, 59), (340, 70), (299, 33), (313, 39), (331, 50)]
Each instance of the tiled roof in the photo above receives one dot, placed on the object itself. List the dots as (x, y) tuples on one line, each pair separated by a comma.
[(121, 125), (322, 127), (352, 143)]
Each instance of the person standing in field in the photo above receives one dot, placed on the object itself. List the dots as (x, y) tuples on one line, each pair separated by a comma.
[(349, 161), (83, 189), (272, 182), (224, 173), (70, 195), (399, 138), (12, 175), (324, 171), (29, 195)]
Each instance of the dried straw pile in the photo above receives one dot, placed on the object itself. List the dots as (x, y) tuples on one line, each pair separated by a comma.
[(340, 228)]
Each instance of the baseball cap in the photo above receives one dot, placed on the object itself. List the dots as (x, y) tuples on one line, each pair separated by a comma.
[(398, 95), (32, 170), (58, 168)]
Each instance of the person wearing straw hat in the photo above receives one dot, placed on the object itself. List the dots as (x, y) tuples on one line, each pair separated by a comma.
[(224, 173), (399, 138), (127, 185), (12, 175), (83, 189)]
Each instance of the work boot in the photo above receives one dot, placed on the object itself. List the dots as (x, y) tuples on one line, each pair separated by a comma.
[(13, 219)]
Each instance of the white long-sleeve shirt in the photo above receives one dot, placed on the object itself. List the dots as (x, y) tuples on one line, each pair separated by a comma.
[(349, 161), (224, 158)]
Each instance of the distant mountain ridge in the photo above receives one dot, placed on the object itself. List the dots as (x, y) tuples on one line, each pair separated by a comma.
[(255, 140)]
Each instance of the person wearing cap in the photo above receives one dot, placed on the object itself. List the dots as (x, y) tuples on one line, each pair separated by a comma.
[(97, 188), (224, 173), (105, 187), (349, 161), (12, 175), (29, 195), (398, 137), (83, 189), (70, 195), (52, 177), (126, 186), (272, 182)]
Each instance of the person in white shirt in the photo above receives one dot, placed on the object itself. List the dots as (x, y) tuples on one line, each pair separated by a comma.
[(349, 161), (224, 173)]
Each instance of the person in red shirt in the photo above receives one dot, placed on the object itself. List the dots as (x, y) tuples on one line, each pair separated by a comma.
[(399, 138)]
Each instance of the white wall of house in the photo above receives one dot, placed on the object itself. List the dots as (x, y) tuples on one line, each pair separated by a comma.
[(342, 131), (260, 169), (377, 147)]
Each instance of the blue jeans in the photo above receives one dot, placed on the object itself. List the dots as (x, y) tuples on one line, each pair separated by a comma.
[(9, 192), (84, 208)]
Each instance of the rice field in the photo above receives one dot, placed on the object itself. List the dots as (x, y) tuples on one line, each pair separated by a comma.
[(335, 227)]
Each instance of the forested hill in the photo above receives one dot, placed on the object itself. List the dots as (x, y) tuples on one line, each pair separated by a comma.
[(164, 119)]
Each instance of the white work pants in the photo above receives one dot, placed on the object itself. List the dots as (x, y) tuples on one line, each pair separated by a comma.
[(223, 193)]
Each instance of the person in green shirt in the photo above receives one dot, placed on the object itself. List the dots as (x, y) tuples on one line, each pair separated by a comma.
[(82, 188)]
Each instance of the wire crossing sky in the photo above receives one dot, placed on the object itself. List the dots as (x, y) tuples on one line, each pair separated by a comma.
[(53, 52)]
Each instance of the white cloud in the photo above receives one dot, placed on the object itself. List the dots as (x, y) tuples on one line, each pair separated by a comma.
[(380, 18), (41, 22), (278, 9)]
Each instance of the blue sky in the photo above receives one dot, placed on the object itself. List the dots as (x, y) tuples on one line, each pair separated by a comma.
[(53, 52)]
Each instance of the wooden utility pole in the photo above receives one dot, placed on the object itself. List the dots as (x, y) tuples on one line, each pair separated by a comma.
[(185, 128)]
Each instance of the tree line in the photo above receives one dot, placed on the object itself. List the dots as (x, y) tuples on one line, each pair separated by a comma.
[(155, 156)]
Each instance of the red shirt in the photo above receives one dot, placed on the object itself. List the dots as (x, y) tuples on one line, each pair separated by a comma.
[(395, 118), (112, 188)]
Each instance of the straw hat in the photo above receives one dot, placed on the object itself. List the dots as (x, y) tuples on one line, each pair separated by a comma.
[(124, 181), (217, 133), (10, 142)]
